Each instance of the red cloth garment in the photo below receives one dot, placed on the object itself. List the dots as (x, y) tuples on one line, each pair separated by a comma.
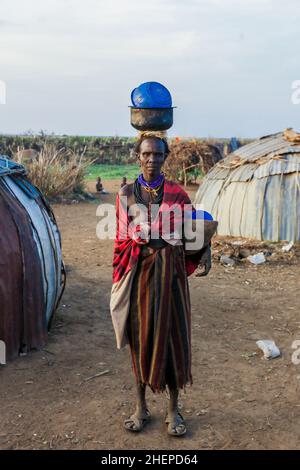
[(127, 249)]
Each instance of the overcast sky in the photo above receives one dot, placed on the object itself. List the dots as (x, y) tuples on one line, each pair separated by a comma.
[(69, 65)]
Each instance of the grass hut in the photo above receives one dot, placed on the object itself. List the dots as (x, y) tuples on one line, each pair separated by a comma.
[(31, 268), (255, 191)]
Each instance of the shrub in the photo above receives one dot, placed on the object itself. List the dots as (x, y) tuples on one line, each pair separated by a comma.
[(55, 171)]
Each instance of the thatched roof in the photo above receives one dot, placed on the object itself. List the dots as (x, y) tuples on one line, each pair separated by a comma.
[(191, 154)]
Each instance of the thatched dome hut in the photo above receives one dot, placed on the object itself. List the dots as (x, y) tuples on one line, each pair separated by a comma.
[(31, 268), (255, 191)]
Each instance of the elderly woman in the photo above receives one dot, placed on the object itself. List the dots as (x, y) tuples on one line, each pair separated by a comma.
[(150, 300)]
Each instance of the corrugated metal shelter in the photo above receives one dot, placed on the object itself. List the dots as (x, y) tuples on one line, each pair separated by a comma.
[(255, 191), (31, 268)]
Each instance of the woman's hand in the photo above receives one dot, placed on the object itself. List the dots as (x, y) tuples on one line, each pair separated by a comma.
[(205, 262)]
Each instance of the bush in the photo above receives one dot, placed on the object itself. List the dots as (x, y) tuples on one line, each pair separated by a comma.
[(55, 171)]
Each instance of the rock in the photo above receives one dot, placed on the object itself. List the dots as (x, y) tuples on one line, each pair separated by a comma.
[(227, 261), (244, 253)]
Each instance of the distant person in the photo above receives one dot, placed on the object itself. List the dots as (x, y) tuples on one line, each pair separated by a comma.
[(233, 145), (124, 181), (99, 186)]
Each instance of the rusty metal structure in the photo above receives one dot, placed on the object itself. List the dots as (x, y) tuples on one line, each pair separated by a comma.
[(255, 191), (31, 268)]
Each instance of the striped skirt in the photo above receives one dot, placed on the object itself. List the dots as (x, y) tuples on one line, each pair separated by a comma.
[(159, 321)]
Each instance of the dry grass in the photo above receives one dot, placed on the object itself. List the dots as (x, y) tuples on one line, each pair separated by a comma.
[(55, 171)]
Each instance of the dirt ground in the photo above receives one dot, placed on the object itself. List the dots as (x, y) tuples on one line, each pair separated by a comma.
[(53, 400)]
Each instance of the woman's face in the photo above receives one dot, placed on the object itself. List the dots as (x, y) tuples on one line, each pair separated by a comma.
[(151, 157)]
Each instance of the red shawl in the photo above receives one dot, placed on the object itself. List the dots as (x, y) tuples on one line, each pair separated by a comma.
[(127, 251)]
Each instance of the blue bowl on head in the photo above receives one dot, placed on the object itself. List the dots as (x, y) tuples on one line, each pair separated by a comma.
[(151, 95)]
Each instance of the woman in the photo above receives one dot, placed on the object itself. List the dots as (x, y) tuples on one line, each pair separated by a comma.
[(150, 301)]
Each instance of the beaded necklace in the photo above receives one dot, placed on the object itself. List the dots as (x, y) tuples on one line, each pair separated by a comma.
[(153, 186)]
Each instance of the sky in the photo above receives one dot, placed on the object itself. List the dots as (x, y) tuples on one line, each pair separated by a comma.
[(68, 66)]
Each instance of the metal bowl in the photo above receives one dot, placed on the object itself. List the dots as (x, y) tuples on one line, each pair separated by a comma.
[(151, 119)]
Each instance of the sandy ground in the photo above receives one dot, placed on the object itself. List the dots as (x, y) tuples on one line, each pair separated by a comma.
[(50, 399)]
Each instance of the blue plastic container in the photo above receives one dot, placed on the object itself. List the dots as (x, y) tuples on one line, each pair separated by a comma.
[(151, 95), (202, 215)]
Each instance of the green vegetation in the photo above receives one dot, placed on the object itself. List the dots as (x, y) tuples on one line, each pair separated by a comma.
[(109, 157), (113, 150), (106, 150), (107, 172)]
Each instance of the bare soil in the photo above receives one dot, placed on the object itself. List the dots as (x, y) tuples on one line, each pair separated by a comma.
[(56, 399)]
